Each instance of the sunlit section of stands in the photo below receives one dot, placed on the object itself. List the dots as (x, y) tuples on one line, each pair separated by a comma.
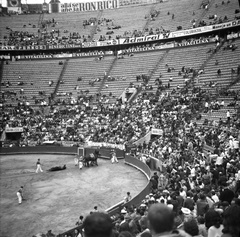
[(184, 12), (188, 57), (70, 22), (129, 18), (17, 22), (225, 60), (35, 75), (125, 71), (88, 69), (222, 10)]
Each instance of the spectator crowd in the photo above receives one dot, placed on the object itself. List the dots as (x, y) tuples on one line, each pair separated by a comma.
[(198, 184)]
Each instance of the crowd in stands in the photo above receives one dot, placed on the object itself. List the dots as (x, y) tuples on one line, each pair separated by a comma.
[(194, 182), (197, 187), (55, 36)]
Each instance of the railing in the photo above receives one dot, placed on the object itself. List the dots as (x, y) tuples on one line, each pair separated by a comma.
[(107, 74), (60, 78)]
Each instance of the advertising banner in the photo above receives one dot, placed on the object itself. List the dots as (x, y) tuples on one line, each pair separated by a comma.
[(89, 6), (35, 56), (89, 44), (167, 45), (107, 42), (41, 47), (226, 25), (64, 55), (194, 42), (185, 32), (146, 38), (97, 53)]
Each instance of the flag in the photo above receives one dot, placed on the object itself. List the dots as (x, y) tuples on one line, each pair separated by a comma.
[(14, 3)]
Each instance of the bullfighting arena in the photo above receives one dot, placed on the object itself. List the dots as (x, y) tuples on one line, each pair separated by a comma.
[(55, 200)]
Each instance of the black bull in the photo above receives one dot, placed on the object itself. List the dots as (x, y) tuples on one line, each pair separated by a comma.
[(91, 160)]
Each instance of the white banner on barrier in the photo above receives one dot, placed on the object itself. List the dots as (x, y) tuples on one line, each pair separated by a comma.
[(156, 131), (12, 130), (105, 144)]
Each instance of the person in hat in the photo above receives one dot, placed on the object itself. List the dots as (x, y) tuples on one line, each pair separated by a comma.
[(20, 195)]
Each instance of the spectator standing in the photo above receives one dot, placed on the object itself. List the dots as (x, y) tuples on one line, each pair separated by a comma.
[(215, 197), (202, 205), (228, 116), (189, 202), (80, 221), (128, 197)]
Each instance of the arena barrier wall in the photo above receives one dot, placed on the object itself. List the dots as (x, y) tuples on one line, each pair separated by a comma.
[(38, 150), (49, 149)]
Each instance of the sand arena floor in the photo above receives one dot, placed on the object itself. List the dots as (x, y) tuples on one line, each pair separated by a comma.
[(55, 200)]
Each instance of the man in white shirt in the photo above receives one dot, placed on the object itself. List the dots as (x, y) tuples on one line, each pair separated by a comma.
[(128, 197), (20, 195), (228, 116), (215, 197), (236, 144)]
